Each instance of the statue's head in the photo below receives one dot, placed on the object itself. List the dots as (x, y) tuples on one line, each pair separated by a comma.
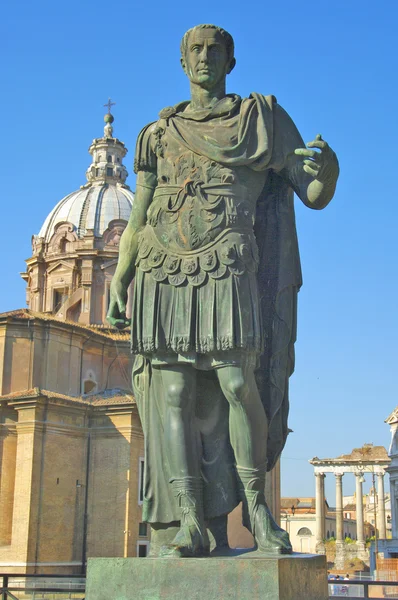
[(207, 54)]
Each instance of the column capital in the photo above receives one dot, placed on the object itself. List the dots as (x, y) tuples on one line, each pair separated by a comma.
[(319, 474), (338, 475)]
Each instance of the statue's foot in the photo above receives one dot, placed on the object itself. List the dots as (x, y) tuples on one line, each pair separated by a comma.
[(188, 543), (222, 550), (269, 537)]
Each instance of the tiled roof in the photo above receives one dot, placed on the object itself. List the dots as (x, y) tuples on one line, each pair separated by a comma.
[(298, 502), (108, 332), (105, 398)]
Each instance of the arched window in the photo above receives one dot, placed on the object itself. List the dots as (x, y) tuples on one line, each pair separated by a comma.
[(304, 531), (328, 534), (109, 158), (118, 160), (62, 245), (332, 533)]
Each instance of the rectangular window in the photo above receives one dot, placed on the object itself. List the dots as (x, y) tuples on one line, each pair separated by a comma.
[(143, 530), (141, 464), (142, 549), (60, 296), (109, 171)]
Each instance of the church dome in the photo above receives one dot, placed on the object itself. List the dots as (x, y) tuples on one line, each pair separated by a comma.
[(90, 208), (103, 199), (75, 254)]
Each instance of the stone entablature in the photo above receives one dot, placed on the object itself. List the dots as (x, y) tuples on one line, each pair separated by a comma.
[(42, 351), (369, 458)]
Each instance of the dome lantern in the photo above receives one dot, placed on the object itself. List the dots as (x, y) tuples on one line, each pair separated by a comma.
[(108, 153)]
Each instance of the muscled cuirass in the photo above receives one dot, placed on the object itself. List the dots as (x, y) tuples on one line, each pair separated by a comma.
[(200, 221)]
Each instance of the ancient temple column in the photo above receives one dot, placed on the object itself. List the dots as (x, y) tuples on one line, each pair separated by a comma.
[(359, 499), (339, 508), (381, 516), (319, 501)]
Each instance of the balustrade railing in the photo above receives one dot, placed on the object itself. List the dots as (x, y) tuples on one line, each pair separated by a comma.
[(358, 588), (23, 586)]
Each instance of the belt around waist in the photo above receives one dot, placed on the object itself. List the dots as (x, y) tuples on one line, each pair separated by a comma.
[(192, 188)]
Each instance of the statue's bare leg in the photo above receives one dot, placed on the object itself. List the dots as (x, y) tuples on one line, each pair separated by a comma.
[(248, 429), (181, 440)]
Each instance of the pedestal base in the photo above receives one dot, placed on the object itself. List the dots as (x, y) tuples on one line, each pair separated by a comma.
[(251, 576)]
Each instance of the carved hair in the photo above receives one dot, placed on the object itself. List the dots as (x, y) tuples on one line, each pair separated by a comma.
[(228, 39)]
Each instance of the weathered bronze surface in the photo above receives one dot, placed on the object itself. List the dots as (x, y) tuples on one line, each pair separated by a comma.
[(297, 577), (212, 248)]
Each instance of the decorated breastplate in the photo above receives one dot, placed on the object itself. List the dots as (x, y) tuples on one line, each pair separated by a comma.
[(196, 199)]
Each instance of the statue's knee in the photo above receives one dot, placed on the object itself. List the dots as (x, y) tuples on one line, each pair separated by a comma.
[(176, 395), (235, 388)]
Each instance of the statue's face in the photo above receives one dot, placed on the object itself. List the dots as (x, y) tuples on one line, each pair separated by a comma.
[(206, 59)]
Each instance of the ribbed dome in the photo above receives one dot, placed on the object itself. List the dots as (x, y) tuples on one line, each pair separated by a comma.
[(90, 208)]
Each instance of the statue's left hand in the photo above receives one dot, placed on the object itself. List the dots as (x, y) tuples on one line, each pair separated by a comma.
[(322, 165)]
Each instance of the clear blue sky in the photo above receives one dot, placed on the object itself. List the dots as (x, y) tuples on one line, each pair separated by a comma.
[(333, 67)]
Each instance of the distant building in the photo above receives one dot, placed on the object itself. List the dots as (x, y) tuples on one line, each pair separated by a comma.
[(388, 549), (298, 518)]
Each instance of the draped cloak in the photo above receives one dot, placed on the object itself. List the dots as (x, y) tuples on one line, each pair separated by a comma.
[(265, 138)]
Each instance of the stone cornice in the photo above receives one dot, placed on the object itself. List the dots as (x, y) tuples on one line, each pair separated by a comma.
[(359, 469), (116, 403), (22, 316), (30, 262)]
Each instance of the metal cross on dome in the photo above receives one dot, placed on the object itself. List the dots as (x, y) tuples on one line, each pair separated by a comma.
[(109, 105)]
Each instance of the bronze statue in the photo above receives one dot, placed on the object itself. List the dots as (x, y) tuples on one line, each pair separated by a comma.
[(211, 245)]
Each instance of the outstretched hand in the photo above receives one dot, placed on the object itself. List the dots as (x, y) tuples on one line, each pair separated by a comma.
[(321, 165)]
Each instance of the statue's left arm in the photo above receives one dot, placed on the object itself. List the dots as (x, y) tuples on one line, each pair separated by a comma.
[(312, 171), (316, 176)]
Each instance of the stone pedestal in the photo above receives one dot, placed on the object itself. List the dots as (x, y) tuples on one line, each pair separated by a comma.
[(254, 577)]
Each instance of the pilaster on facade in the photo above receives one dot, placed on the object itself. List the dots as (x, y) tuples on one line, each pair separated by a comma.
[(8, 447)]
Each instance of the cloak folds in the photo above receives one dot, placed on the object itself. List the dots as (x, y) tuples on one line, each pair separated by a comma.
[(262, 137)]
